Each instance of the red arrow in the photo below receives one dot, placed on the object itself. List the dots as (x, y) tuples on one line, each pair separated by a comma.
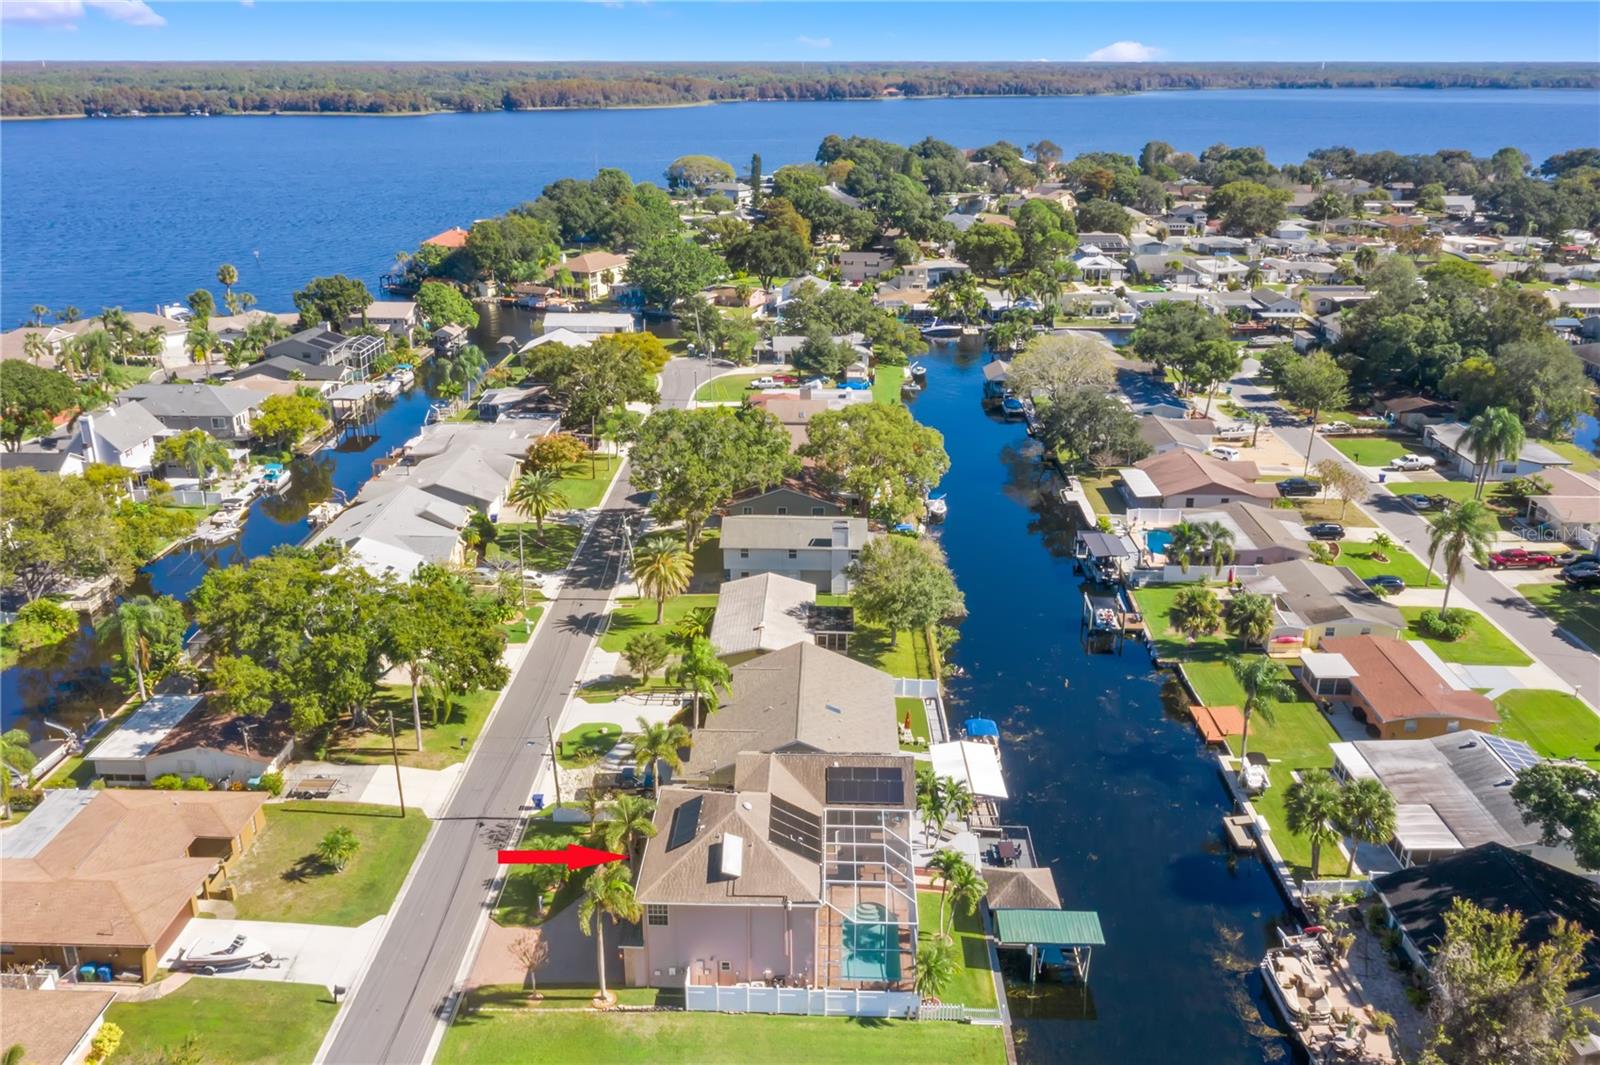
[(573, 857)]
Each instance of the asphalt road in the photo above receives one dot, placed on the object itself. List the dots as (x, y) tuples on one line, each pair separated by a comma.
[(683, 376), (1566, 657), (396, 1007)]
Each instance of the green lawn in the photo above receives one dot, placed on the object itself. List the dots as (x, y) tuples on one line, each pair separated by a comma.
[(586, 743), (587, 485), (1555, 724), (521, 630), (886, 384), (639, 615), (899, 654), (441, 743), (1481, 645), (973, 984), (1295, 850), (244, 1022), (1583, 461), (281, 879), (1155, 602), (1369, 450), (1575, 609), (614, 688), (1315, 510), (524, 883), (913, 708), (546, 552), (559, 1038), (729, 388), (1102, 492), (1358, 558)]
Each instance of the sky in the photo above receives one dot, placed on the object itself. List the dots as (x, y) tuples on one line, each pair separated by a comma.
[(1130, 30)]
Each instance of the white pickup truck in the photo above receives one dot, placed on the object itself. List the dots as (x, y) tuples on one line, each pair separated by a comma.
[(1413, 462)]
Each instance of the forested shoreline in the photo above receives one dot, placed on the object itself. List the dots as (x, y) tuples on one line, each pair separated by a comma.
[(32, 90)]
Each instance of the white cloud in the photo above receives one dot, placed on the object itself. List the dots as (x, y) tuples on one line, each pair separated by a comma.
[(815, 42), (66, 14), (1124, 52)]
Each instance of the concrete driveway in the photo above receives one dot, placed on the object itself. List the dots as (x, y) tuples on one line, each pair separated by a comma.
[(307, 953)]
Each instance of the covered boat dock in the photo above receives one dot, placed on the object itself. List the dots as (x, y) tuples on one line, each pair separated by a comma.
[(1070, 935)]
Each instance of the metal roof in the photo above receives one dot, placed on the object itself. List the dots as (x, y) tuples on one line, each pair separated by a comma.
[(1056, 928)]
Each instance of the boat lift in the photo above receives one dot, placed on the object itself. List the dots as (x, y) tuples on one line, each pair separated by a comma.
[(1073, 934)]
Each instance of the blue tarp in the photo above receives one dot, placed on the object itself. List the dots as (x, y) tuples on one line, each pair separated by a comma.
[(981, 726)]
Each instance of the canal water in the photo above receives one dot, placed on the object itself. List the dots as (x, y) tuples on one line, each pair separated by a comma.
[(1121, 798), (74, 682)]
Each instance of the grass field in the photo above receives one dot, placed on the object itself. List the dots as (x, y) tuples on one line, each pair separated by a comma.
[(1402, 563), (886, 384), (281, 879), (1155, 602), (973, 984), (1583, 460), (1369, 450), (899, 654), (729, 388), (583, 744), (558, 1038), (1555, 724), (1315, 510), (633, 616), (525, 882), (245, 1022), (913, 708), (546, 552), (1102, 492), (1575, 609), (441, 744), (1480, 645), (588, 483)]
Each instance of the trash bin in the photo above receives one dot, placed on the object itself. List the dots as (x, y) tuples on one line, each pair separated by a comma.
[(1382, 477), (86, 972), (538, 800), (104, 973)]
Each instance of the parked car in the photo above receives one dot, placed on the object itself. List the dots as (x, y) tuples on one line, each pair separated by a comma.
[(1418, 501), (1568, 558), (1298, 486), (1521, 558), (1334, 428), (1386, 584), (763, 382), (1226, 454), (1413, 462), (1580, 571), (1589, 578), (1326, 530)]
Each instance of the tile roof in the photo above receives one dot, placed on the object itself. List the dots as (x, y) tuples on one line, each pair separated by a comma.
[(454, 237)]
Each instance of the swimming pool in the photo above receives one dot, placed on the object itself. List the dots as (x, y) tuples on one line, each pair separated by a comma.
[(871, 947), (1158, 540)]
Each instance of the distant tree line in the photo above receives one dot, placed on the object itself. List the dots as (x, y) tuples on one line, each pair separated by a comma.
[(223, 88)]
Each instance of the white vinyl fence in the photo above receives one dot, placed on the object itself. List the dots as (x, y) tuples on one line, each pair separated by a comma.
[(801, 1001)]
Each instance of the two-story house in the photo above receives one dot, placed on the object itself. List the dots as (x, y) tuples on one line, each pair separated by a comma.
[(226, 412), (323, 346), (814, 549)]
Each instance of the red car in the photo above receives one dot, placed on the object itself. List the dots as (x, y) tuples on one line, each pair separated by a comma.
[(1518, 558)]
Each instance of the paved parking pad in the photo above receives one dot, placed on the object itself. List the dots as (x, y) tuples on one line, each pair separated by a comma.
[(305, 953)]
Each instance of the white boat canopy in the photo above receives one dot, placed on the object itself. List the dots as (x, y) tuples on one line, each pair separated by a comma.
[(977, 764)]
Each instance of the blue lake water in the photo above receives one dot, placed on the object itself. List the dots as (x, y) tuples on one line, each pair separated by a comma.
[(133, 212)]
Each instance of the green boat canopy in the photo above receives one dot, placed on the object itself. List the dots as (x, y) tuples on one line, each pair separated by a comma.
[(1052, 928)]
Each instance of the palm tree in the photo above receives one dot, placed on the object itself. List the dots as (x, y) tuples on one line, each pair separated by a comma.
[(945, 865), (1195, 611), (701, 672), (958, 798), (15, 754), (1311, 807), (1493, 435), (143, 624), (632, 819), (69, 314), (1262, 681), (227, 277), (608, 892), (662, 569), (1381, 544), (538, 494), (35, 347), (202, 343), (1219, 544), (696, 622), (1469, 529), (1249, 616), (1366, 258), (1188, 544), (479, 533), (38, 312), (967, 889), (1253, 276), (936, 967), (657, 745), (931, 806), (203, 454), (1367, 814)]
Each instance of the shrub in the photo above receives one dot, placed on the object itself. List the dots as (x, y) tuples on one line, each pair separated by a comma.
[(25, 800), (338, 847), (1443, 625), (197, 784), (236, 785), (1377, 919), (105, 1043), (1320, 552), (272, 783), (167, 782)]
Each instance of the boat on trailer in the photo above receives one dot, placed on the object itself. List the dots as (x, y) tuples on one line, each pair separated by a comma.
[(220, 954)]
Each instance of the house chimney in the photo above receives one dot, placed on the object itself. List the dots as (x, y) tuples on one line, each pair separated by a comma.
[(841, 533)]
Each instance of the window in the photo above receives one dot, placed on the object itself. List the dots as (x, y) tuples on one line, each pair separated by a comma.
[(793, 553), (816, 512), (1189, 502), (656, 914), (1225, 499), (219, 423), (1452, 726), (744, 552), (782, 511), (1411, 726), (749, 510)]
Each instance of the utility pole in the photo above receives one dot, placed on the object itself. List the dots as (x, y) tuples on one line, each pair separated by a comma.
[(522, 577), (394, 752), (555, 770)]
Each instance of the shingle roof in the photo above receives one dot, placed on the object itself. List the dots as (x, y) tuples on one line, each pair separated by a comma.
[(766, 612), (789, 531), (195, 400), (126, 426), (49, 1024), (1181, 471), (1022, 889), (1319, 594), (1398, 684)]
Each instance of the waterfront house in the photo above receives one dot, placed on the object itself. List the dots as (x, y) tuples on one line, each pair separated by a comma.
[(858, 266), (283, 368), (1449, 439), (1096, 267), (588, 324), (449, 339), (172, 734), (398, 317), (112, 877), (1497, 878), (322, 346), (802, 494), (53, 1027), (802, 869), (1181, 478), (54, 454), (496, 403), (226, 412), (1416, 412), (1260, 537), (594, 275), (393, 528), (1387, 684), (452, 239), (795, 410), (802, 697), (468, 463), (1170, 269), (1326, 299), (1313, 602), (229, 329), (814, 549), (931, 273), (1571, 508), (125, 435), (794, 286), (769, 612), (1451, 793)]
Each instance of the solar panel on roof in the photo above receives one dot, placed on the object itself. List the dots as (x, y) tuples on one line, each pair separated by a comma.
[(685, 823), (872, 785), (795, 830), (1514, 753)]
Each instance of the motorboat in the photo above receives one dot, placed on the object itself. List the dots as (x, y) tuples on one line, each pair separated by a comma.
[(938, 507), (217, 954), (274, 477), (942, 329), (404, 374), (918, 371)]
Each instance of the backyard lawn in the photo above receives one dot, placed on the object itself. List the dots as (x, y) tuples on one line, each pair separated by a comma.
[(1575, 609), (900, 654), (1155, 602), (547, 552), (913, 708), (558, 1038), (973, 983), (441, 744), (281, 878), (586, 486), (1480, 645), (244, 1022), (886, 384), (729, 388), (1102, 492), (1402, 563), (639, 615), (1583, 460), (1555, 724), (1369, 450)]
